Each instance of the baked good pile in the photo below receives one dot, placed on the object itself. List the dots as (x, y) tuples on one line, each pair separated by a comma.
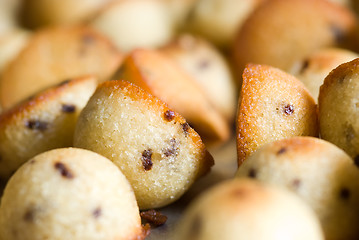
[(111, 110)]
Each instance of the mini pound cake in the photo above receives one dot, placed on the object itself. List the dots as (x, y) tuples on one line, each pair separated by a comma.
[(316, 66), (272, 105), (338, 108), (205, 64), (219, 20), (248, 210), (43, 122), (159, 75), (72, 194), (43, 13), (155, 148), (323, 175), (135, 23), (55, 54), (281, 33)]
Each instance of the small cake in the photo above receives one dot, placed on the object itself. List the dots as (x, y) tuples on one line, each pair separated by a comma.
[(55, 54), (72, 194), (248, 210), (281, 33), (155, 148), (205, 64), (159, 75), (11, 44), (135, 23), (323, 175), (338, 108), (43, 122), (219, 20), (41, 13), (319, 64), (272, 105)]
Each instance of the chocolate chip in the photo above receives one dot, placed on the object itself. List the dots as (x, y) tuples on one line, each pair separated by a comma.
[(154, 217), (239, 192), (68, 108), (185, 127), (281, 150), (64, 171), (304, 66), (338, 33), (88, 39), (64, 82), (288, 109), (344, 193), (296, 183), (252, 173), (29, 215), (32, 161), (30, 98), (169, 115), (147, 159), (173, 148), (36, 125), (204, 64), (97, 212)]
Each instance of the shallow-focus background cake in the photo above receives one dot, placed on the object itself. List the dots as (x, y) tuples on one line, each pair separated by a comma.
[(281, 33), (246, 209), (323, 175), (53, 55), (317, 65)]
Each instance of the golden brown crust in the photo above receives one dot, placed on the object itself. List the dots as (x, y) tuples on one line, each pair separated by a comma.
[(272, 105), (53, 55), (138, 94), (166, 155), (40, 99), (44, 122), (158, 75), (281, 32)]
